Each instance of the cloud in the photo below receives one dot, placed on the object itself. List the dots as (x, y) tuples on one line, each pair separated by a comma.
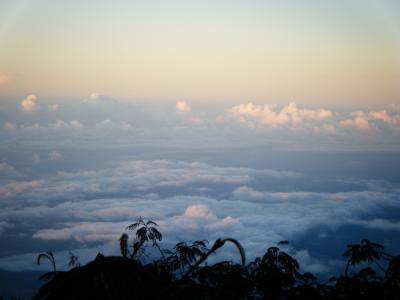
[(75, 124), (7, 169), (8, 126), (267, 115), (199, 212), (58, 124), (383, 116), (189, 201), (29, 103), (325, 129), (105, 123), (53, 107), (3, 226), (235, 185), (53, 155), (311, 264), (381, 224), (358, 120), (97, 98), (182, 107), (19, 187), (84, 232)]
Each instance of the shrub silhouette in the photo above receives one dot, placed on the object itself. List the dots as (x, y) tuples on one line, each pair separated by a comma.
[(180, 273)]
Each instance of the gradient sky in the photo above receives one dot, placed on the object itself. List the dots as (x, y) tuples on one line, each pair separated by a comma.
[(339, 53)]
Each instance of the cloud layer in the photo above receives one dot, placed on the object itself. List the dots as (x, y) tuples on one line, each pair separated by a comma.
[(189, 200), (74, 175)]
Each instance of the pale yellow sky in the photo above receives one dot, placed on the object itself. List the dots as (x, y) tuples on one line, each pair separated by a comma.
[(336, 53)]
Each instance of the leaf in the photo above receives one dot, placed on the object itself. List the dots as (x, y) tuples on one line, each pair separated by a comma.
[(42, 255), (283, 243), (151, 223)]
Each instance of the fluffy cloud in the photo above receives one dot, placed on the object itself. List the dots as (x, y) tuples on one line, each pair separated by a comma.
[(182, 107), (362, 120), (383, 116), (267, 115), (358, 120), (29, 103), (199, 212)]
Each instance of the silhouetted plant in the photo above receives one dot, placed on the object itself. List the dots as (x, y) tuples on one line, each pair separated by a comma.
[(145, 232), (73, 260), (275, 272), (50, 257), (123, 244), (275, 275), (185, 255), (365, 251), (217, 244)]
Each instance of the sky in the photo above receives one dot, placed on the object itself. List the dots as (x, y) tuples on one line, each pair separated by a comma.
[(257, 120), (311, 52)]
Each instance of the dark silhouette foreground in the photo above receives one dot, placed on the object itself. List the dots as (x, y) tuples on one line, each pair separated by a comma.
[(181, 274)]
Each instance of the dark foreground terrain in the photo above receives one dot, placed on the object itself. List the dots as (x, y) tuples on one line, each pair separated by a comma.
[(182, 273)]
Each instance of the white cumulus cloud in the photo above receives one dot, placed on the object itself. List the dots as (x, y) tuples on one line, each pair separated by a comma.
[(29, 103), (358, 120), (182, 107), (268, 115), (384, 116)]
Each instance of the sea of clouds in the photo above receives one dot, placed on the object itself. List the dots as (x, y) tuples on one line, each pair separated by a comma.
[(74, 175)]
